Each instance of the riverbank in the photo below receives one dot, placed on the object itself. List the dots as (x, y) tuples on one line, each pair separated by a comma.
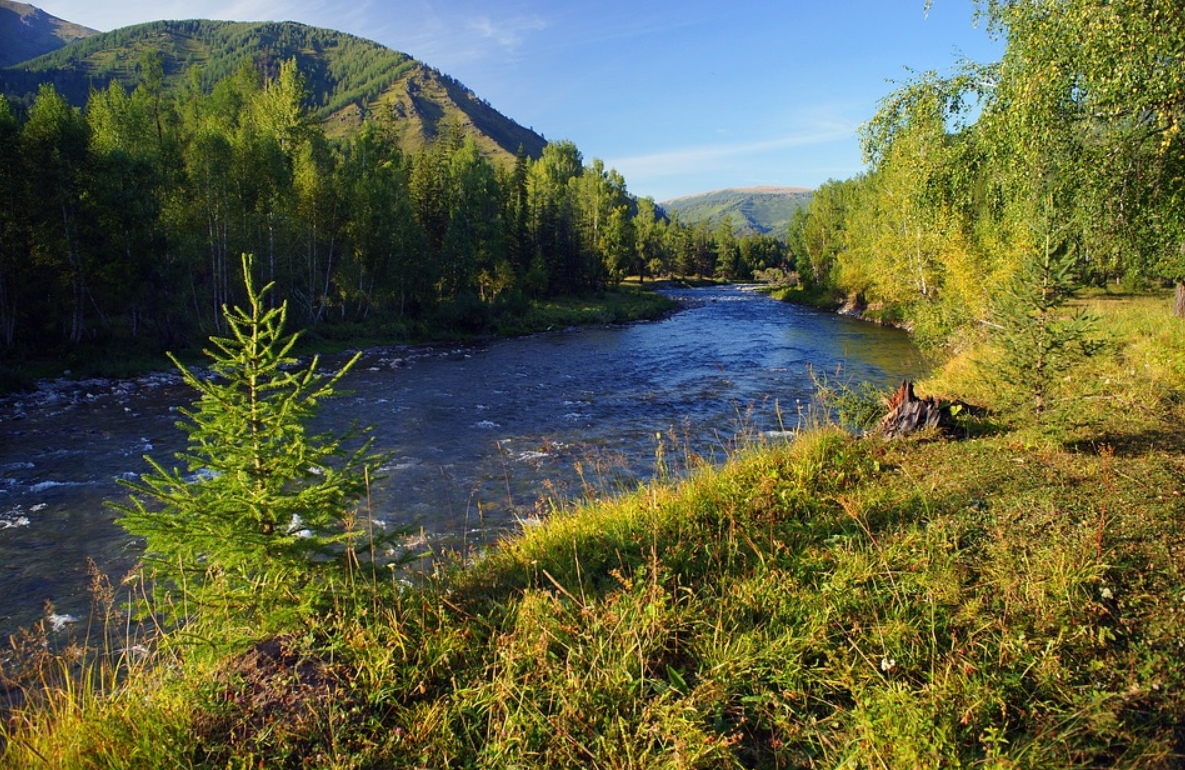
[(127, 359), (825, 299), (482, 433), (1012, 598)]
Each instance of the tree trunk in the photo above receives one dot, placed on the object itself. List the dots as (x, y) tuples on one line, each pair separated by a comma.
[(908, 413), (1179, 301)]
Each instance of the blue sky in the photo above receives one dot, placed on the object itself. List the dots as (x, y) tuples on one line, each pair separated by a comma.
[(680, 97)]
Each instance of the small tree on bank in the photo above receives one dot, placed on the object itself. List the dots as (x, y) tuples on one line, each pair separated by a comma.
[(264, 510), (1038, 342)]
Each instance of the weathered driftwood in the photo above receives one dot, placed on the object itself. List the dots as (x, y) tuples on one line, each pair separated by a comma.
[(908, 413)]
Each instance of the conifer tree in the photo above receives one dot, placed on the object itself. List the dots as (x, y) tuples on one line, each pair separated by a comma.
[(1038, 341), (264, 510)]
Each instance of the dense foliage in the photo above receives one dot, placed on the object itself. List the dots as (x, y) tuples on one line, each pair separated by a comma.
[(125, 219), (1076, 132)]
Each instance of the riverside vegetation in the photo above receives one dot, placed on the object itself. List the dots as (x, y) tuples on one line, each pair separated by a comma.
[(1011, 598)]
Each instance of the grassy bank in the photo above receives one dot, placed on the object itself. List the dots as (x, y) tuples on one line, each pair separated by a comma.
[(122, 358), (822, 299), (1012, 597)]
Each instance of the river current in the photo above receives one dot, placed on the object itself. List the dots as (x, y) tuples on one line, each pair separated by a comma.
[(481, 436)]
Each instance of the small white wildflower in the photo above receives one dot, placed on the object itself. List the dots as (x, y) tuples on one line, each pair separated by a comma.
[(888, 664), (1106, 593)]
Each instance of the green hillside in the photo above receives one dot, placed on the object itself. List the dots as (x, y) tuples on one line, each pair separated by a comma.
[(765, 210), (26, 32), (349, 78)]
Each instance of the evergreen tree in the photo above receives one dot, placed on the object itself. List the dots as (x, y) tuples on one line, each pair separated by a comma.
[(1038, 341), (727, 254), (648, 249), (264, 510), (519, 249)]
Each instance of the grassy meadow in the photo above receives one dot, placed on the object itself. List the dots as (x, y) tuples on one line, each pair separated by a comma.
[(1012, 596)]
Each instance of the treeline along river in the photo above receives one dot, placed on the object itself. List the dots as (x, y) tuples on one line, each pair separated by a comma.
[(481, 435)]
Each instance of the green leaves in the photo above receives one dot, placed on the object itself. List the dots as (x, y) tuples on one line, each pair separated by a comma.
[(1079, 124), (1038, 341), (260, 498)]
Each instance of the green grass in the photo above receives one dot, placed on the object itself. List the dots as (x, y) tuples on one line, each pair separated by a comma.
[(1014, 598), (821, 298), (627, 302)]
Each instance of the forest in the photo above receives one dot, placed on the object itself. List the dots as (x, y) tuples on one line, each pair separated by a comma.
[(125, 220), (1068, 153)]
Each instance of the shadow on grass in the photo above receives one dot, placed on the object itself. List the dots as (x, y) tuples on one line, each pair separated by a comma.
[(1129, 444)]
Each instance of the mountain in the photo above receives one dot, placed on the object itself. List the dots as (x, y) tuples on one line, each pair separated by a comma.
[(26, 32), (349, 78), (752, 209)]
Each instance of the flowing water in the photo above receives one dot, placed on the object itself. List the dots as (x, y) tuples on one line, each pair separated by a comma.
[(480, 435)]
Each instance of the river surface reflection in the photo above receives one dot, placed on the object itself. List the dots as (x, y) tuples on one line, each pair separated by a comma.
[(479, 434)]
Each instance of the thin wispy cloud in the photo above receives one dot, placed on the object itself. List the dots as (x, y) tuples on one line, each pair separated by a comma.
[(508, 33), (711, 155), (456, 40)]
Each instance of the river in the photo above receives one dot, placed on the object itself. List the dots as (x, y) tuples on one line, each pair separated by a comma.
[(481, 436)]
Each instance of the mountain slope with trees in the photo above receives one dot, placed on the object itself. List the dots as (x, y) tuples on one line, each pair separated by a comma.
[(380, 196), (122, 221), (27, 32), (349, 79), (759, 210)]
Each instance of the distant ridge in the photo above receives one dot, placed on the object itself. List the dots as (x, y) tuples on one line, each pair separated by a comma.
[(27, 32), (765, 209), (350, 79), (755, 190)]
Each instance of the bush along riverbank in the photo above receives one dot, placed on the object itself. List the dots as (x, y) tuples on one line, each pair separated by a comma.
[(1011, 595), (121, 358)]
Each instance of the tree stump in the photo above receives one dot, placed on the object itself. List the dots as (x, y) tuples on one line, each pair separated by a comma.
[(908, 413)]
